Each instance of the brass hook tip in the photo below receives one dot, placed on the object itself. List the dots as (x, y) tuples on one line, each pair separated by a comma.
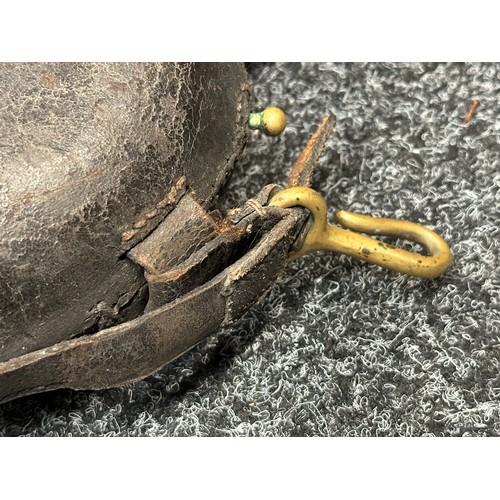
[(324, 236), (429, 266)]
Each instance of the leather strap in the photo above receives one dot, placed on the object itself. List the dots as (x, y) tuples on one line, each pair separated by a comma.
[(133, 350), (202, 272)]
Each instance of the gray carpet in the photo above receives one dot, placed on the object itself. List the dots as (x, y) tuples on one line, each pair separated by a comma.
[(339, 347)]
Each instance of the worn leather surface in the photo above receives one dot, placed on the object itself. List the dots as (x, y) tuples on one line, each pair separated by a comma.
[(237, 266), (201, 271), (93, 157)]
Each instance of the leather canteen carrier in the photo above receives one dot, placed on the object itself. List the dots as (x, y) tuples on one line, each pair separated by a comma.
[(114, 259)]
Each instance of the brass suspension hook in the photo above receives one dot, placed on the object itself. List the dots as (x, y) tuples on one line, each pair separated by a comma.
[(324, 236)]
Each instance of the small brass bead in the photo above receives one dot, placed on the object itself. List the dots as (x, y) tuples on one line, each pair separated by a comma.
[(274, 121)]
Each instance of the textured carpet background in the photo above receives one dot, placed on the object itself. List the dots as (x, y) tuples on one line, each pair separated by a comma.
[(342, 348)]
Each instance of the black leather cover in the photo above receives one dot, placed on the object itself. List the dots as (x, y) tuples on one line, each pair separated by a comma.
[(92, 159), (113, 260)]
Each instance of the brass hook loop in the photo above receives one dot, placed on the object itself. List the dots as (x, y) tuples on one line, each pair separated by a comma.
[(324, 236)]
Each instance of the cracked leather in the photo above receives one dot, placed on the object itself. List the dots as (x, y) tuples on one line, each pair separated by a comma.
[(93, 158), (189, 298), (113, 260)]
